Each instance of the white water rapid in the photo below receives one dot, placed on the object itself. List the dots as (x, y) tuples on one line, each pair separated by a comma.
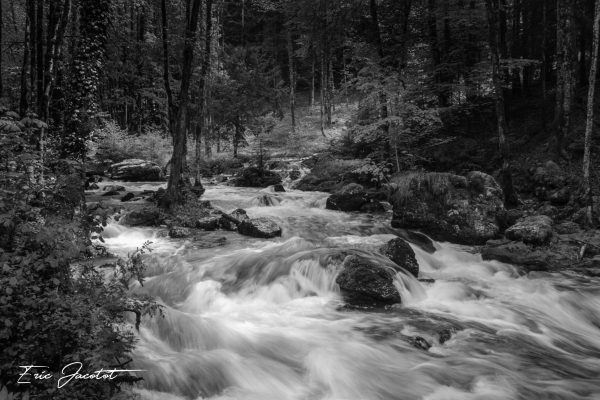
[(261, 319)]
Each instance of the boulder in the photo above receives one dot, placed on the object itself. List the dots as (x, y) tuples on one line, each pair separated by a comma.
[(135, 170), (91, 182), (547, 210), (549, 176), (351, 198), (255, 177), (561, 254), (147, 216), (363, 283), (128, 197), (448, 207), (209, 223), (294, 174), (278, 188), (536, 230), (402, 254), (231, 221), (373, 207), (419, 342), (114, 188), (260, 228), (567, 227), (178, 232)]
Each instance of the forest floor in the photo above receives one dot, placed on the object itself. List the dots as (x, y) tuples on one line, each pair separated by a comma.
[(307, 139)]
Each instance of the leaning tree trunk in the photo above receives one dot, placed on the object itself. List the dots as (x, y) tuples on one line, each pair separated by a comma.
[(506, 177), (587, 186)]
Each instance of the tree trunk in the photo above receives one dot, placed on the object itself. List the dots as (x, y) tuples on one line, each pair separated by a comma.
[(178, 181), (40, 55), (55, 43), (510, 197), (544, 65), (587, 186), (236, 139), (1, 52), (32, 53), (24, 103), (312, 83), (322, 95), (202, 89), (290, 51)]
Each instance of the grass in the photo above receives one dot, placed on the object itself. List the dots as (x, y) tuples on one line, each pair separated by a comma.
[(436, 184)]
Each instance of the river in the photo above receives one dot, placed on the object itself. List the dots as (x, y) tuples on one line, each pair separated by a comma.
[(258, 319)]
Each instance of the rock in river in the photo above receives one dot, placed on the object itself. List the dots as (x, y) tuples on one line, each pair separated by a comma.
[(448, 207), (535, 230), (232, 220), (260, 228), (135, 170), (178, 232), (351, 198), (255, 177), (363, 283), (402, 254)]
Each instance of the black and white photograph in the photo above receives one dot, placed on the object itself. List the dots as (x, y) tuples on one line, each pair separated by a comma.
[(299, 200)]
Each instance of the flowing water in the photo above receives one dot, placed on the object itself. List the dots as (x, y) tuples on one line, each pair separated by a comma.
[(263, 319)]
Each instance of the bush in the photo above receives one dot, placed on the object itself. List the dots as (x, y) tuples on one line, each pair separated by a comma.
[(53, 312), (222, 165), (329, 173), (116, 144)]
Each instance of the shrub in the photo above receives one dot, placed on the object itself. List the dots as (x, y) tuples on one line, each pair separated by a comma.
[(53, 313), (116, 144)]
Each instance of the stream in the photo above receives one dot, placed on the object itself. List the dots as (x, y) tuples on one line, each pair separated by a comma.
[(259, 319)]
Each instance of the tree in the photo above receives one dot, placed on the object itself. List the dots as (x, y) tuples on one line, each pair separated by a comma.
[(85, 76), (492, 7), (178, 111), (587, 187), (203, 91)]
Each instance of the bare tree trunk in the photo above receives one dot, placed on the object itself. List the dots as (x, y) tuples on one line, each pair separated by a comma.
[(510, 197), (290, 51), (24, 101), (587, 186)]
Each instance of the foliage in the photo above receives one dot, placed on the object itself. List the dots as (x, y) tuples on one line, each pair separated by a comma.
[(55, 310), (116, 144)]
